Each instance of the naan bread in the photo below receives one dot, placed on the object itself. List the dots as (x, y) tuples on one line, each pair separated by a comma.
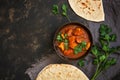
[(61, 72), (89, 9)]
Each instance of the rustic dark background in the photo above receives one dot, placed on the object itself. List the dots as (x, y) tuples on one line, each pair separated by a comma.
[(27, 28)]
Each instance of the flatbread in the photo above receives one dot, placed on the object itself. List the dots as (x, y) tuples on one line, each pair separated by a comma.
[(89, 9), (61, 72)]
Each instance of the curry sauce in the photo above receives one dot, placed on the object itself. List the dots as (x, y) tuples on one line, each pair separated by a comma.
[(73, 41)]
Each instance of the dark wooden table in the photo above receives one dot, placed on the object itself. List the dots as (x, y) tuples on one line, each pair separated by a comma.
[(27, 28)]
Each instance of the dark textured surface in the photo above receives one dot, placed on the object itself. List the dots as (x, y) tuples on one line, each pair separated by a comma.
[(27, 28)]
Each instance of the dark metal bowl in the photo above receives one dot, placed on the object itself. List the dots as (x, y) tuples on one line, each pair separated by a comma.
[(59, 29)]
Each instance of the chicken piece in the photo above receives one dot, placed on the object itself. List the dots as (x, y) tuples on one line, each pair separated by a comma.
[(69, 32), (77, 32), (72, 45), (71, 39), (79, 39), (72, 42), (61, 46), (68, 52)]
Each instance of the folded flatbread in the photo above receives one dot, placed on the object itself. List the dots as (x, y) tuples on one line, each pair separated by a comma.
[(89, 9), (61, 72)]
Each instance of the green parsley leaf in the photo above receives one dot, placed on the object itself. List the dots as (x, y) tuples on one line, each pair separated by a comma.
[(110, 62), (64, 10), (109, 30), (94, 51), (81, 63), (114, 49), (79, 47), (102, 53), (104, 30), (118, 48), (83, 44), (113, 37), (66, 44), (107, 37), (111, 50), (66, 35), (66, 41), (105, 48), (59, 37), (102, 58), (95, 61), (102, 42), (55, 9)]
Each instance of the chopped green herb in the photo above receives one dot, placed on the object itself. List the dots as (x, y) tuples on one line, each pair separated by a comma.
[(79, 47), (66, 44), (66, 35), (66, 41), (55, 9), (83, 44), (59, 37), (81, 63)]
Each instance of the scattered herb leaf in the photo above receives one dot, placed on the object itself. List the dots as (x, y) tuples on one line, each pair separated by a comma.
[(55, 9), (81, 63), (64, 10)]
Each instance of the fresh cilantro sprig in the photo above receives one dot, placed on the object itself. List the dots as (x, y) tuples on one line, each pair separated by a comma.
[(64, 8), (102, 52), (64, 11)]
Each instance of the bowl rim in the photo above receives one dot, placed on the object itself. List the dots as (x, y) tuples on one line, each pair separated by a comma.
[(61, 27)]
